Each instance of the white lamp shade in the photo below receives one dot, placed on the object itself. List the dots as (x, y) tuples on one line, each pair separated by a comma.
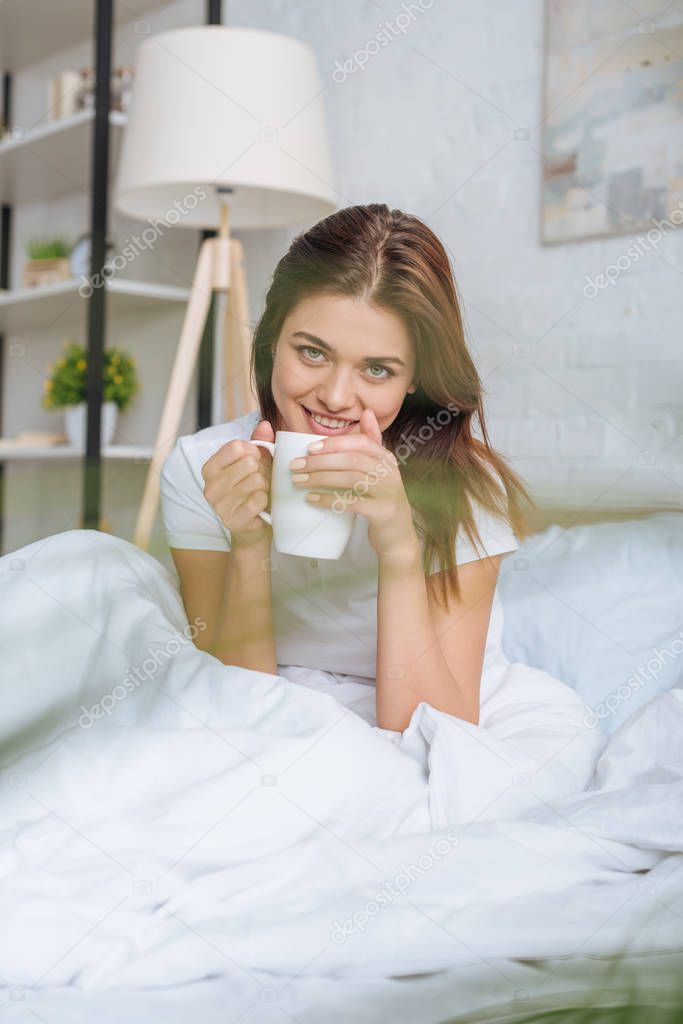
[(220, 106)]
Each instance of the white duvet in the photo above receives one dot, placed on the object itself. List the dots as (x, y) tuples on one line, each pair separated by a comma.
[(165, 817)]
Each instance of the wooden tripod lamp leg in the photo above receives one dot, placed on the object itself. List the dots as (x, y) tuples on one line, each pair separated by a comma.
[(237, 340), (181, 378)]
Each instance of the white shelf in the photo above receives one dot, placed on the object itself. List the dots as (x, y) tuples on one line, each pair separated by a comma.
[(32, 30), (34, 309), (55, 159), (132, 452)]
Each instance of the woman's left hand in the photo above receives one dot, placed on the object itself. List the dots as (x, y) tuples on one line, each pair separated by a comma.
[(354, 472)]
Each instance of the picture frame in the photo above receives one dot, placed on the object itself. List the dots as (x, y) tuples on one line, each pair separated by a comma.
[(611, 94)]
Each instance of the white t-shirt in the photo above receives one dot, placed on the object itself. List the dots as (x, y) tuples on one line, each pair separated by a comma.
[(324, 610)]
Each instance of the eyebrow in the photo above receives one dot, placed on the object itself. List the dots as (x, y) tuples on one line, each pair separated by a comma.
[(329, 348)]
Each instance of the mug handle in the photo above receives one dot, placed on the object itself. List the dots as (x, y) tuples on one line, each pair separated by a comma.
[(270, 445)]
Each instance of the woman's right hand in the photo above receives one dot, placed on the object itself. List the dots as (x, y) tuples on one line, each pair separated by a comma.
[(237, 486)]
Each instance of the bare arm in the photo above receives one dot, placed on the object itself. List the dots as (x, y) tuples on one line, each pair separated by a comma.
[(425, 653), (231, 591)]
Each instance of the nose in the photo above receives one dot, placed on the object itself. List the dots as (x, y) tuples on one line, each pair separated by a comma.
[(337, 394)]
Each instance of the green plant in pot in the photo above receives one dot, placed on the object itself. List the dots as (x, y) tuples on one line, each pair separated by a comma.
[(66, 389), (48, 261)]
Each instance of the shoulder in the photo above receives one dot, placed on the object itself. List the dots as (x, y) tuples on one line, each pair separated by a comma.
[(191, 451), (189, 519), (495, 530), (496, 536)]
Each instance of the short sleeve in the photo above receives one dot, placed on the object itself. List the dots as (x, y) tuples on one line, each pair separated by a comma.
[(189, 519), (496, 538)]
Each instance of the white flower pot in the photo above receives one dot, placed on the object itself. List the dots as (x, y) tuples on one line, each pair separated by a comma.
[(75, 422)]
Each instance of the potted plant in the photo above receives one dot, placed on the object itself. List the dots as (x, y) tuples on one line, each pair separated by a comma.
[(67, 388), (48, 261)]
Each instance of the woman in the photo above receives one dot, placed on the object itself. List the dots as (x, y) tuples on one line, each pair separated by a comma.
[(362, 342)]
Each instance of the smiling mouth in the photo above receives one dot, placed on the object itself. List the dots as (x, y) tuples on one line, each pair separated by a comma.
[(340, 419), (330, 430)]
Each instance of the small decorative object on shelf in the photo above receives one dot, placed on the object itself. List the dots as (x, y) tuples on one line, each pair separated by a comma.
[(73, 91), (126, 75), (62, 95), (67, 389), (79, 259), (48, 261), (31, 439), (85, 94)]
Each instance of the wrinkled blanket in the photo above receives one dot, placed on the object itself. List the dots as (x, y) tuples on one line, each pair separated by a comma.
[(166, 817)]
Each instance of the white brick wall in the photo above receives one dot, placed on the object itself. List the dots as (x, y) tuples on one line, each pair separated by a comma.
[(429, 126)]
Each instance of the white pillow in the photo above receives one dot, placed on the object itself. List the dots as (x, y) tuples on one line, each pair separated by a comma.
[(600, 607)]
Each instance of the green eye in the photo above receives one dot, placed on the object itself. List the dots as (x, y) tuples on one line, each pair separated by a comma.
[(306, 349)]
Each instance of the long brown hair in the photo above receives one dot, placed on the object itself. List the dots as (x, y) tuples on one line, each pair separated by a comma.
[(393, 261)]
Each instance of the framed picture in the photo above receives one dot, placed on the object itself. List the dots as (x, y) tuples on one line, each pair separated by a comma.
[(612, 141)]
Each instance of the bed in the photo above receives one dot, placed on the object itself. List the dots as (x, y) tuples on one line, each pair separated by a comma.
[(595, 601)]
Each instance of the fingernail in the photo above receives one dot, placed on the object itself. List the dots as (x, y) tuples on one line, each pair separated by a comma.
[(297, 464), (315, 446)]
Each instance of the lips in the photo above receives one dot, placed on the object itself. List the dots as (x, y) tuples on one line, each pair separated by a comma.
[(317, 428)]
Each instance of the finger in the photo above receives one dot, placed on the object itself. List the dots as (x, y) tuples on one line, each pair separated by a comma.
[(343, 502), (263, 431), (250, 503), (338, 481), (369, 426), (229, 453), (235, 474), (361, 462), (348, 443), (342, 442), (225, 458)]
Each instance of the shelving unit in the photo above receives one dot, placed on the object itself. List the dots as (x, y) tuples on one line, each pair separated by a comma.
[(52, 160), (25, 309), (43, 453), (75, 155)]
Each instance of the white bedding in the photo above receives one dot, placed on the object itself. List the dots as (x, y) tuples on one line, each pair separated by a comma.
[(217, 819)]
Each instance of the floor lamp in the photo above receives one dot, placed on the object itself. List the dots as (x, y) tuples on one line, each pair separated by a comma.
[(226, 130)]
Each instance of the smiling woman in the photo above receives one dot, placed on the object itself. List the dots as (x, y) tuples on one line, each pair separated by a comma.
[(361, 342), (362, 314)]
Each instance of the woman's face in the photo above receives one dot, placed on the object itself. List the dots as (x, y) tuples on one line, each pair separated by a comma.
[(337, 356)]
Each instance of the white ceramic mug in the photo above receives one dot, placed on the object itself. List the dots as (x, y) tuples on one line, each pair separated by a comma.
[(299, 528)]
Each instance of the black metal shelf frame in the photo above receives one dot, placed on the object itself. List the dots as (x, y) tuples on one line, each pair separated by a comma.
[(5, 240), (97, 300)]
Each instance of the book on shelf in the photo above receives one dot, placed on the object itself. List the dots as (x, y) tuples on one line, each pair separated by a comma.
[(63, 95), (28, 438)]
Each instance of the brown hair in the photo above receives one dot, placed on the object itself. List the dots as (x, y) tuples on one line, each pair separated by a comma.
[(393, 261)]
